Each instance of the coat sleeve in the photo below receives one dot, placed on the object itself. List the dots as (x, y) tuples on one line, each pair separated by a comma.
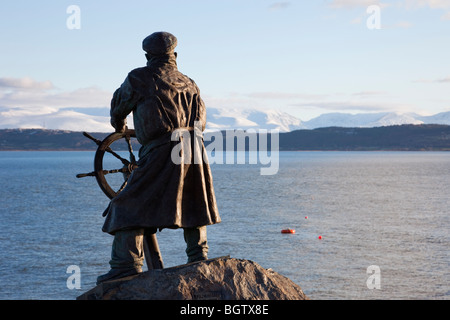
[(124, 101), (200, 107), (201, 112)]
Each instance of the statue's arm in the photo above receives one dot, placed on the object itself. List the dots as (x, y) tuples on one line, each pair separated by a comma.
[(201, 108), (124, 101)]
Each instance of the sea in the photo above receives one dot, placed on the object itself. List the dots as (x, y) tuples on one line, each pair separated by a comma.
[(368, 225)]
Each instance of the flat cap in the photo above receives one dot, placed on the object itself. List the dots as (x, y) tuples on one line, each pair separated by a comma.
[(159, 43)]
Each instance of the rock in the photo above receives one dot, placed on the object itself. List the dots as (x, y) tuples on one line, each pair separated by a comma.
[(215, 279)]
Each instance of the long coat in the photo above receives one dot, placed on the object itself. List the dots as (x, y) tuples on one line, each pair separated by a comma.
[(164, 191)]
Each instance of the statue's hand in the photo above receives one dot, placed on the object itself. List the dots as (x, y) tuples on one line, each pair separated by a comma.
[(119, 125), (121, 129)]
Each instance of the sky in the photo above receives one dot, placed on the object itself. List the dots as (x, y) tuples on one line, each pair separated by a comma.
[(305, 58)]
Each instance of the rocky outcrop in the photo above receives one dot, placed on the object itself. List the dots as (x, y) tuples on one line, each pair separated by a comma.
[(215, 279)]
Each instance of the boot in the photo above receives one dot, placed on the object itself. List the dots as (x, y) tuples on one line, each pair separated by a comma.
[(196, 244), (127, 255)]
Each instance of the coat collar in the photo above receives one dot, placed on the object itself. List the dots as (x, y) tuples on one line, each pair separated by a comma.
[(160, 61)]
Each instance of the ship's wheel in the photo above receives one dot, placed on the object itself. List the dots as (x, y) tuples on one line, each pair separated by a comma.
[(123, 167), (112, 181)]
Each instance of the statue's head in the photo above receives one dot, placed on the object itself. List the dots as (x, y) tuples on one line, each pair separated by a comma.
[(159, 44)]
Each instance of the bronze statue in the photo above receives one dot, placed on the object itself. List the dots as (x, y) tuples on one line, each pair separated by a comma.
[(160, 193)]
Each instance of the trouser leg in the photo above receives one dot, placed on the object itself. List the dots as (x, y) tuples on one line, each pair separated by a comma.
[(196, 244), (127, 250), (127, 255)]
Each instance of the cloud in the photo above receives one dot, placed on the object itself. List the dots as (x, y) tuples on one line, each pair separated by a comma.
[(361, 101), (350, 4), (369, 93), (82, 98), (284, 95), (356, 20), (353, 105), (364, 7), (279, 5), (446, 16), (259, 100), (399, 24), (28, 93), (442, 80), (433, 4), (25, 83), (27, 103), (408, 4), (268, 95), (403, 24)]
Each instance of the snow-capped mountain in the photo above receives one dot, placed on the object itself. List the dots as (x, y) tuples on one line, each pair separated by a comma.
[(97, 119), (370, 120), (220, 119), (225, 119), (440, 118), (52, 118)]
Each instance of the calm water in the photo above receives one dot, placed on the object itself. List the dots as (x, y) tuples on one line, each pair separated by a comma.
[(389, 209)]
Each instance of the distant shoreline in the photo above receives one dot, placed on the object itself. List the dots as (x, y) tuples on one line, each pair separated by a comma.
[(389, 138), (299, 151)]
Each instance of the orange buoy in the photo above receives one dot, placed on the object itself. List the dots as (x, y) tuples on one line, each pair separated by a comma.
[(288, 231)]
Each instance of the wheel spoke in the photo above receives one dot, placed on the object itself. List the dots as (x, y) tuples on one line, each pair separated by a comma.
[(122, 186), (82, 175), (124, 161), (130, 149), (122, 170), (108, 149)]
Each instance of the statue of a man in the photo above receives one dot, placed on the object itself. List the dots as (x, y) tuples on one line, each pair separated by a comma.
[(161, 193)]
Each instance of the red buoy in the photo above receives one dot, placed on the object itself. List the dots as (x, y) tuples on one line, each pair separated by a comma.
[(288, 231), (320, 237)]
